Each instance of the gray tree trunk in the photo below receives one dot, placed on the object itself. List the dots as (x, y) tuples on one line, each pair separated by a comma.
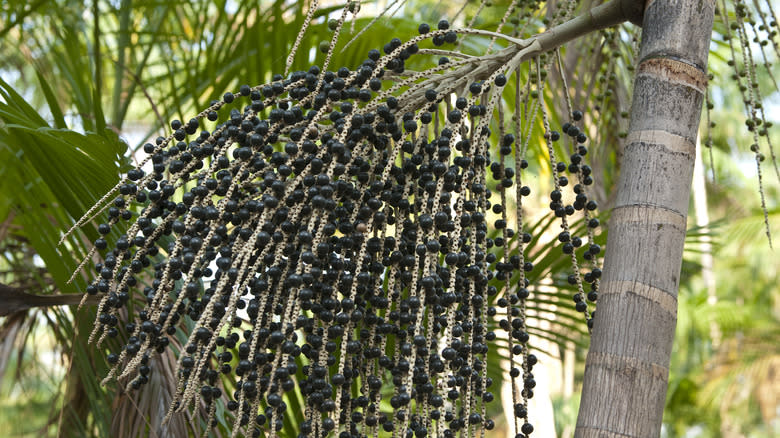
[(627, 367)]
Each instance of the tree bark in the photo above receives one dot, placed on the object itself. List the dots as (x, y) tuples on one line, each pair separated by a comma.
[(627, 367)]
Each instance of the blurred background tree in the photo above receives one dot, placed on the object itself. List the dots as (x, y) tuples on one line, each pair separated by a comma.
[(84, 85)]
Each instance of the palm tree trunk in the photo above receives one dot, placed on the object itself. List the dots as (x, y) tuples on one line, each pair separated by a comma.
[(627, 367)]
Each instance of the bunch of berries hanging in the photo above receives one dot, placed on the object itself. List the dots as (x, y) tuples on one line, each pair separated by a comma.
[(328, 237)]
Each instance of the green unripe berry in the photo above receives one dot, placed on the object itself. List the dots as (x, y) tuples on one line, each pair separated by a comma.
[(324, 46)]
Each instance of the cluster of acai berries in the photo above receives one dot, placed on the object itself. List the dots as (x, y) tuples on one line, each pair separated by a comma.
[(328, 237)]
